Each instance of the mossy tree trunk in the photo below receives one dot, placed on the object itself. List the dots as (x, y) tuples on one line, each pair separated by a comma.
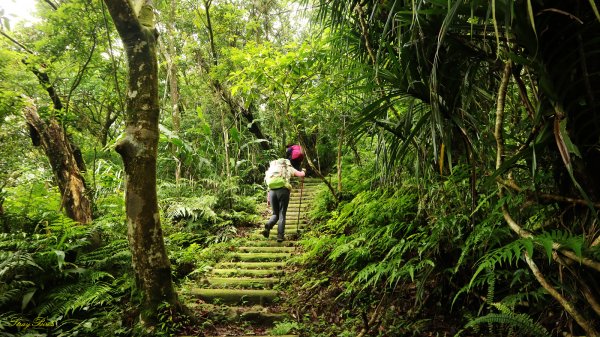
[(134, 21)]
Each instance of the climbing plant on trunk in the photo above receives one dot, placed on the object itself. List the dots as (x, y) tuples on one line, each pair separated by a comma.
[(134, 21)]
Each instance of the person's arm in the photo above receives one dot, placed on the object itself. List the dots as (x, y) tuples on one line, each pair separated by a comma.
[(299, 173), (268, 198)]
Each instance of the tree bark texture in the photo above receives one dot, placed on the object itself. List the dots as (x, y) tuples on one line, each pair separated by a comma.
[(138, 149), (65, 165)]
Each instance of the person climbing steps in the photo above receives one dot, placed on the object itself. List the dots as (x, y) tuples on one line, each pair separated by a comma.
[(277, 179)]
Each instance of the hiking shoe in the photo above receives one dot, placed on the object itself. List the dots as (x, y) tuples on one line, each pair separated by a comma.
[(265, 233), (280, 239)]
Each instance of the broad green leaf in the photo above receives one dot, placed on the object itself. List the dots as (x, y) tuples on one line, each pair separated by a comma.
[(595, 9), (234, 134), (27, 298), (60, 258), (530, 14), (567, 140)]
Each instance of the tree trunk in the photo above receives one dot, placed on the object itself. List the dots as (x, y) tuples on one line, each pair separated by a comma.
[(64, 162), (64, 157), (138, 149)]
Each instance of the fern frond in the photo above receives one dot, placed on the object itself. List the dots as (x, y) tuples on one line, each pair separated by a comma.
[(9, 295), (565, 239), (116, 252), (193, 208), (13, 263), (95, 295), (509, 254), (521, 322), (69, 298)]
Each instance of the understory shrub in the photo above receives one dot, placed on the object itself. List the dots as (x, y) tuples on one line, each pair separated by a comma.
[(407, 260)]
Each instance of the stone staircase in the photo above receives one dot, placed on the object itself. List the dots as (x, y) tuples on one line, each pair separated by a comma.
[(242, 289)]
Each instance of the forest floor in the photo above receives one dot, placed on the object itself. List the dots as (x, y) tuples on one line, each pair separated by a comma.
[(241, 294)]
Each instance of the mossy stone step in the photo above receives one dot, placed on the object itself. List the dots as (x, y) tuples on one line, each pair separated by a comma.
[(255, 314), (289, 225), (291, 230), (242, 282), (261, 242), (292, 217), (296, 203), (246, 272), (235, 296), (267, 249), (255, 257), (259, 336), (273, 236), (308, 190), (308, 194), (305, 196), (250, 265), (293, 222)]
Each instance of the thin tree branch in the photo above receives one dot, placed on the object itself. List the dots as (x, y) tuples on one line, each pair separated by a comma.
[(559, 198), (583, 287), (568, 306), (81, 72), (523, 95), (52, 4), (20, 45), (499, 129), (113, 61), (211, 36), (523, 233)]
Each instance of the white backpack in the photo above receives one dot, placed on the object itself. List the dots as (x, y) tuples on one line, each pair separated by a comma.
[(278, 174)]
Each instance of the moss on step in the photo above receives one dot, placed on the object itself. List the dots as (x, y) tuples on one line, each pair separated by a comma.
[(266, 249), (288, 227), (247, 272), (256, 314), (236, 296), (242, 282), (251, 265), (261, 336), (260, 241), (256, 257)]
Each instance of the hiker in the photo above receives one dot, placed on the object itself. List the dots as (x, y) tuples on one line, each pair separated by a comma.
[(277, 178), (295, 155)]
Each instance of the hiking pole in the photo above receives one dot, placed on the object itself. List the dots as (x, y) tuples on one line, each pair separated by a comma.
[(299, 207)]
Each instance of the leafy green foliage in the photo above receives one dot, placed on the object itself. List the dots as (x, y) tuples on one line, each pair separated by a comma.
[(284, 328), (55, 276), (171, 321)]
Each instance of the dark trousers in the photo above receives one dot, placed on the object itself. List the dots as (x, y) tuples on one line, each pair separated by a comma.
[(280, 198)]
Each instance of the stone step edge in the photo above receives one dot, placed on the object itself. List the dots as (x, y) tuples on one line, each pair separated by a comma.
[(235, 296), (239, 272), (256, 336), (241, 281), (266, 249), (267, 243), (250, 265)]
